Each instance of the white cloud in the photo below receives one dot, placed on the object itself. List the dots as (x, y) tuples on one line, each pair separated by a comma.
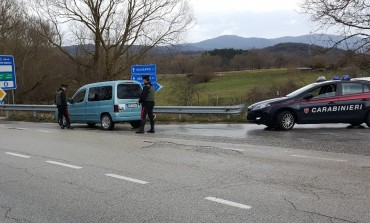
[(247, 18), (243, 5)]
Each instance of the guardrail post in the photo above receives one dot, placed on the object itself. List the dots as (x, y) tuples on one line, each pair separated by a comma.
[(7, 114), (180, 117), (34, 114)]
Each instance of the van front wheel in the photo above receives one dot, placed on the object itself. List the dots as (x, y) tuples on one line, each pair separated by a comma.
[(106, 122), (135, 124)]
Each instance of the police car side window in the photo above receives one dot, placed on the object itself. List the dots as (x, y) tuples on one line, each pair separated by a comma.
[(352, 88), (366, 88), (324, 91)]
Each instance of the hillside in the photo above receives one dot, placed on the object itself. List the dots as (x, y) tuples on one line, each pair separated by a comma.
[(237, 42)]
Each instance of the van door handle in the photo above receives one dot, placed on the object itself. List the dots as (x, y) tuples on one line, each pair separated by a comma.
[(365, 99), (331, 103)]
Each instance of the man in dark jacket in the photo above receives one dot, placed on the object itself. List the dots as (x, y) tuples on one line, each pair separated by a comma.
[(61, 102), (147, 102)]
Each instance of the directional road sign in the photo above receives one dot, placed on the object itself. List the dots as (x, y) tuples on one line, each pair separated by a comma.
[(2, 94), (138, 71), (139, 78), (7, 73), (144, 69)]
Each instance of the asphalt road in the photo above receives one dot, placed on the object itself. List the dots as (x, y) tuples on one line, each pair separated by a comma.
[(184, 173)]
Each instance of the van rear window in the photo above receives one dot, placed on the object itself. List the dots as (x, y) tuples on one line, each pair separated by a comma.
[(128, 91)]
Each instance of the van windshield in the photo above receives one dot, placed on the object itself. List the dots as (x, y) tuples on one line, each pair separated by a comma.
[(128, 91)]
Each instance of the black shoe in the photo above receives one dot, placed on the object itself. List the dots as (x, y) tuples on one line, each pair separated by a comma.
[(140, 131), (69, 127), (151, 131)]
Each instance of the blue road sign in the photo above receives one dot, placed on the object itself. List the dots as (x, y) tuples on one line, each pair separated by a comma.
[(139, 78), (138, 71), (143, 69), (157, 86), (7, 73)]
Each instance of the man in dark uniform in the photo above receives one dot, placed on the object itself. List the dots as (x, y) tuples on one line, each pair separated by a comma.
[(61, 102), (147, 103)]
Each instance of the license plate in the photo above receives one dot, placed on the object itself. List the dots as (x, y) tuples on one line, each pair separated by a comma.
[(132, 105)]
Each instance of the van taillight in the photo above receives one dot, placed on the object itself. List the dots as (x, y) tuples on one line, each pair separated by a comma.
[(116, 108)]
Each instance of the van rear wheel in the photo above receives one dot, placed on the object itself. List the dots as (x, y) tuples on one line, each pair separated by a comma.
[(107, 122), (135, 124)]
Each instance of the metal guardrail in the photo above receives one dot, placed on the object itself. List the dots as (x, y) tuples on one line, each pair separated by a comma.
[(21, 107), (223, 110)]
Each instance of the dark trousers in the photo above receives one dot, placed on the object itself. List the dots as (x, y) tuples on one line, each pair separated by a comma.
[(63, 112), (147, 109)]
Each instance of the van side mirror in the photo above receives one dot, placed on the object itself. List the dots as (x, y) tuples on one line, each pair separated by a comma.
[(71, 101)]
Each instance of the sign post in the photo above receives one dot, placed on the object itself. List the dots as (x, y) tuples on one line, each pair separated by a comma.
[(138, 71)]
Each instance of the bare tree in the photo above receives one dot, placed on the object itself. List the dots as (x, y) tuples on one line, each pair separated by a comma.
[(10, 20), (184, 90), (349, 18), (111, 34)]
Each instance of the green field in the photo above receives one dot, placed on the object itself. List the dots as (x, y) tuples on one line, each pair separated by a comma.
[(231, 87)]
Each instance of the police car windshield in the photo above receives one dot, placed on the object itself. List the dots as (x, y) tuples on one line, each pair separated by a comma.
[(301, 90)]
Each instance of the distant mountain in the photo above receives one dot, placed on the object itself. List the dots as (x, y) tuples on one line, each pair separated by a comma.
[(301, 50), (237, 42)]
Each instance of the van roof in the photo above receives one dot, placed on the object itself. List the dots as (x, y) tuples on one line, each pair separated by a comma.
[(111, 83)]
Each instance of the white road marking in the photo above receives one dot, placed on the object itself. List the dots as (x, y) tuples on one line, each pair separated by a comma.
[(18, 155), (239, 150), (230, 203), (319, 158), (43, 131), (15, 128), (64, 164), (126, 178)]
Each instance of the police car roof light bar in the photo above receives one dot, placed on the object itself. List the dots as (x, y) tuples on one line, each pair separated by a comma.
[(321, 79), (335, 78), (346, 77)]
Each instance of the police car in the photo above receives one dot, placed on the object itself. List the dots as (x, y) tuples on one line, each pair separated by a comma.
[(341, 100)]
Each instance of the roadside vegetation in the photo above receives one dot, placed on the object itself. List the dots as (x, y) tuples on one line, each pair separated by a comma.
[(240, 87)]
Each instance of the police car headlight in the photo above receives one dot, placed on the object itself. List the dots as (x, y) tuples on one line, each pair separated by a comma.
[(261, 106)]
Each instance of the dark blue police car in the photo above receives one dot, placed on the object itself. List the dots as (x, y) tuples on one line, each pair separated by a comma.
[(341, 100)]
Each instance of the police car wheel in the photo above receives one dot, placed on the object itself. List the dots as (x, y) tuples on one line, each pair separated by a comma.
[(285, 120), (106, 122), (368, 120)]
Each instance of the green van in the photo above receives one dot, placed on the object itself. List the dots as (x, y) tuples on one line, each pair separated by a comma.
[(107, 103)]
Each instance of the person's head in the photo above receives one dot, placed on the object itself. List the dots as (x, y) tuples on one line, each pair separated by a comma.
[(146, 79), (64, 86)]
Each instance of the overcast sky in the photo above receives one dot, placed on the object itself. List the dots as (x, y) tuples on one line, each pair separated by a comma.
[(247, 18)]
